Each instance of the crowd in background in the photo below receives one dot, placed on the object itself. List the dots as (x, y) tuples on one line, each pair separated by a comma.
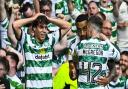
[(63, 44)]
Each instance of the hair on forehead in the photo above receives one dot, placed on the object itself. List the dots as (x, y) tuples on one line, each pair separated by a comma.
[(96, 20), (14, 56), (45, 2), (5, 63), (124, 53), (40, 20), (82, 17), (92, 2)]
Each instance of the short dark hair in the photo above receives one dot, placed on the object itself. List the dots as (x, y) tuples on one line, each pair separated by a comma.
[(46, 2), (40, 20), (124, 53), (14, 56), (93, 2), (96, 21), (102, 15), (81, 17), (5, 63), (25, 7)]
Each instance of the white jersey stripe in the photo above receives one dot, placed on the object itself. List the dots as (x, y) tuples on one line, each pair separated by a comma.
[(36, 70), (39, 83)]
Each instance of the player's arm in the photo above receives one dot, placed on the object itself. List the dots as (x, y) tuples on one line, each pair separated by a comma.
[(62, 24), (3, 13), (36, 6), (61, 45), (116, 5), (10, 32), (73, 11), (19, 23)]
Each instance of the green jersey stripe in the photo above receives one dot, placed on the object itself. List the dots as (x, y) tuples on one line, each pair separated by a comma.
[(102, 60), (87, 85), (31, 63), (5, 23), (45, 76)]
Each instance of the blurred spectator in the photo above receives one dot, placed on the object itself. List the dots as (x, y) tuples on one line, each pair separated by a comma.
[(106, 7), (13, 63), (4, 68), (2, 52), (121, 14), (27, 9), (70, 9), (92, 8)]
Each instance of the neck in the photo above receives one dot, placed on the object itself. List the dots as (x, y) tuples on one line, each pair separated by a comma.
[(12, 72)]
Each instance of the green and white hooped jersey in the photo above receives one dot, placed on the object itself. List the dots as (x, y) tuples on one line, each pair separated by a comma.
[(38, 61), (119, 84), (109, 15), (15, 82), (4, 37), (62, 7), (93, 55)]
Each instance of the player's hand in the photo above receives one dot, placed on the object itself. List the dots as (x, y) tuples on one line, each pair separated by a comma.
[(15, 8), (37, 15), (61, 16), (103, 80), (2, 86)]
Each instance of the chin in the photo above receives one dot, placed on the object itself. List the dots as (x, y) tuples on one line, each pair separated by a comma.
[(123, 68)]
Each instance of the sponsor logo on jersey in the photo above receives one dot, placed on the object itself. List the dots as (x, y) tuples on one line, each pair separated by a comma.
[(42, 56)]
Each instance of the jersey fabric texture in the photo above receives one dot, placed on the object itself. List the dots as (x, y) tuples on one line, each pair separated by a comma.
[(38, 60), (93, 55), (15, 82)]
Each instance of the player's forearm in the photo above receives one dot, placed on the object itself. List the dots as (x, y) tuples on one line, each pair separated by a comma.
[(60, 46), (60, 23), (10, 31), (3, 14), (37, 6), (22, 22)]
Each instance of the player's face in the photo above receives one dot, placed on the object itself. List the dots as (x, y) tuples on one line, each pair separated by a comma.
[(124, 62), (104, 3), (82, 29), (72, 71), (28, 13), (2, 70), (107, 29), (46, 10), (92, 9), (12, 62), (118, 70), (40, 32)]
